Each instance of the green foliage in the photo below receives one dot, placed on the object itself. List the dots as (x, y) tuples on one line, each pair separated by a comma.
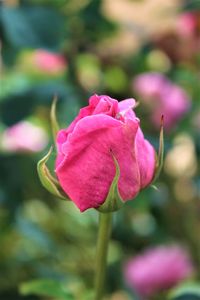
[(19, 105), (46, 287), (32, 27), (95, 24), (191, 5)]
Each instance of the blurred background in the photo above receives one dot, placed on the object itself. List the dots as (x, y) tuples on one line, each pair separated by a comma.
[(146, 49)]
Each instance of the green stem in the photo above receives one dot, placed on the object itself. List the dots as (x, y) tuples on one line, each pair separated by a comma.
[(105, 221)]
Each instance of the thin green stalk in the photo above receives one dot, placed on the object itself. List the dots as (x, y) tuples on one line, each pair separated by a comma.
[(105, 221)]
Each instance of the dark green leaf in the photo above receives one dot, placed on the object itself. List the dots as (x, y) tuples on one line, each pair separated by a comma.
[(17, 106), (191, 5), (35, 27), (94, 22)]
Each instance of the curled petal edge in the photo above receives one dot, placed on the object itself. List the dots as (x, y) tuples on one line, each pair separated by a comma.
[(47, 180), (113, 200)]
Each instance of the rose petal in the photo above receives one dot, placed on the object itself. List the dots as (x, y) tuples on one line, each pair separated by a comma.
[(146, 158)]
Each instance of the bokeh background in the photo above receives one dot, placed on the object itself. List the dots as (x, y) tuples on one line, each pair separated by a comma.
[(72, 49)]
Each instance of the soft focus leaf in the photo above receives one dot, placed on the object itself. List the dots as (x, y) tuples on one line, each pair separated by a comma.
[(16, 106), (95, 23), (191, 5), (189, 291), (34, 27), (45, 287)]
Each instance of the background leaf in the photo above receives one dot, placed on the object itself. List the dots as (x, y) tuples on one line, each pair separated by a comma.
[(189, 291), (45, 287), (34, 27)]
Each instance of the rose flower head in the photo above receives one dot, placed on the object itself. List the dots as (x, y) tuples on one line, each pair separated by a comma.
[(85, 167)]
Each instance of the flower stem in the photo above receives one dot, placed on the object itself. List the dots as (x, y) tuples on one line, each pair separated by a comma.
[(105, 221)]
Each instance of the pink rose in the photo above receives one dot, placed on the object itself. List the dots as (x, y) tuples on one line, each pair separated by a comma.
[(162, 97), (85, 167), (24, 137), (157, 269)]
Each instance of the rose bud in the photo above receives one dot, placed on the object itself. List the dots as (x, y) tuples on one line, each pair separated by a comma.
[(158, 269), (104, 147)]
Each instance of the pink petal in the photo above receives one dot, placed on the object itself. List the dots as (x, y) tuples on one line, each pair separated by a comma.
[(146, 158)]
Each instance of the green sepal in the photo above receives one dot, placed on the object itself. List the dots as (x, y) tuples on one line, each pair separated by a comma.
[(54, 123), (113, 201), (160, 156), (47, 180)]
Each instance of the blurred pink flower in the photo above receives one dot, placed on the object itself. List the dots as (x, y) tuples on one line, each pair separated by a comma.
[(162, 97), (157, 269), (187, 23), (49, 62), (24, 137), (150, 85)]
